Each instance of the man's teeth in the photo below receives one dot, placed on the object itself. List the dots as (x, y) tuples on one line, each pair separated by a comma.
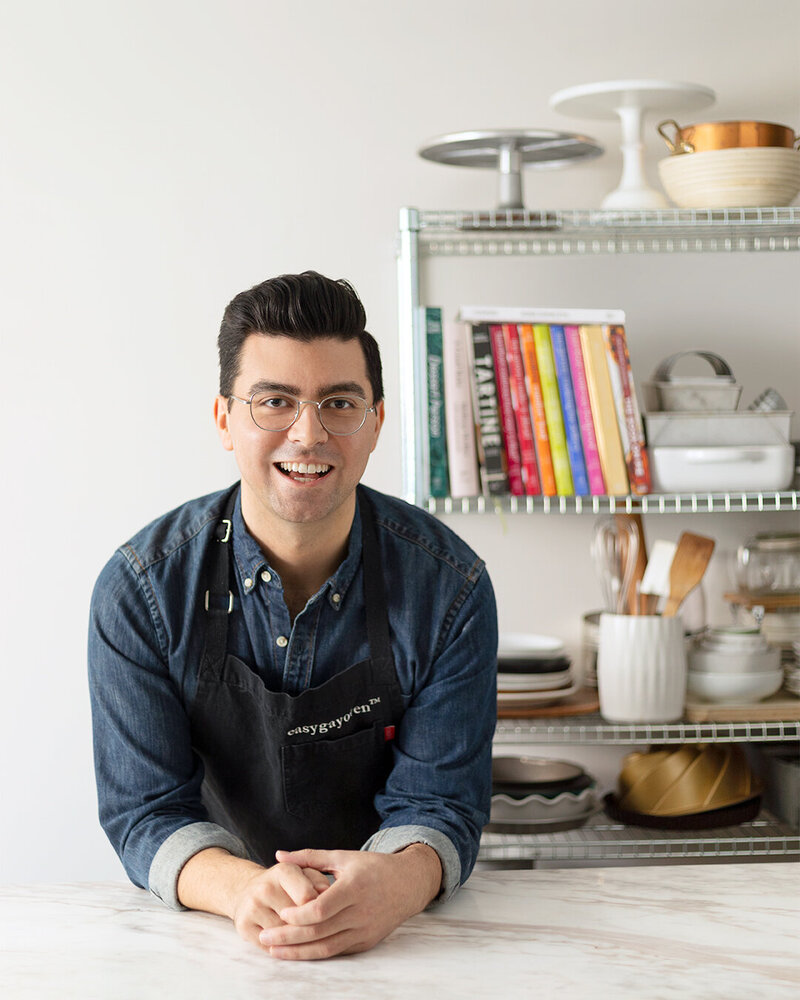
[(303, 468)]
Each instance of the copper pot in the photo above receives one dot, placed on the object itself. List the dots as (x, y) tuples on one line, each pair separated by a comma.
[(725, 135)]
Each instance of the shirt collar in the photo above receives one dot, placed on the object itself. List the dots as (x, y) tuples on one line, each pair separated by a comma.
[(251, 562)]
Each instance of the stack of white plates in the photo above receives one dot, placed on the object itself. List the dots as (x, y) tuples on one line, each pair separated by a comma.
[(532, 671), (732, 178)]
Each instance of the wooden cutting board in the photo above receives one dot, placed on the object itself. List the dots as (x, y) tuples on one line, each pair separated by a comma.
[(582, 702), (781, 707)]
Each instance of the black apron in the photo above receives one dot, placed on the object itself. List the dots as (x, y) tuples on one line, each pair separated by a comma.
[(284, 771)]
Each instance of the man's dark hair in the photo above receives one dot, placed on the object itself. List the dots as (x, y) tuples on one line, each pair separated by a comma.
[(304, 306)]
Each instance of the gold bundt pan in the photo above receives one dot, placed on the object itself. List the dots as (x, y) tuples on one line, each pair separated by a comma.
[(684, 780)]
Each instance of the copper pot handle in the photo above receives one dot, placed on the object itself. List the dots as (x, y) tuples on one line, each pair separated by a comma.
[(676, 145)]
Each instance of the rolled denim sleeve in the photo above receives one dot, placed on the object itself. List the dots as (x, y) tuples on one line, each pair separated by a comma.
[(392, 839), (148, 779), (442, 773)]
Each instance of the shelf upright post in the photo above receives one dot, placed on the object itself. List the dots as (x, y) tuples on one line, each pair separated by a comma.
[(412, 357)]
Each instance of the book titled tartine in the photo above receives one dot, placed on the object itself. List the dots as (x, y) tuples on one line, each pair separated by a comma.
[(491, 450)]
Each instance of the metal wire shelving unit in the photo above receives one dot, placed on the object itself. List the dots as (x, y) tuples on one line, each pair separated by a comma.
[(547, 233), (538, 234), (658, 503), (602, 839), (593, 730)]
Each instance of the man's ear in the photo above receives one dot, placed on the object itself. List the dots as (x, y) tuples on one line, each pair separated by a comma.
[(380, 416), (222, 420)]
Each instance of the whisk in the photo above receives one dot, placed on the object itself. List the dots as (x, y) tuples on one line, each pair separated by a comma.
[(615, 549)]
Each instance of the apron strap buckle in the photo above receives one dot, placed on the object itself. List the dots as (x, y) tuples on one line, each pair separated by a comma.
[(227, 531), (230, 601)]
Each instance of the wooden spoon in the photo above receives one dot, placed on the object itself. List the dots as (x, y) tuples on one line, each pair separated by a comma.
[(691, 559)]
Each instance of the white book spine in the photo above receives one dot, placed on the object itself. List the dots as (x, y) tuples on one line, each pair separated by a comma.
[(536, 314), (462, 456)]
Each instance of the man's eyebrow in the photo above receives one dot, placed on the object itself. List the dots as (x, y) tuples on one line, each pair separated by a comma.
[(265, 385), (353, 388), (332, 389)]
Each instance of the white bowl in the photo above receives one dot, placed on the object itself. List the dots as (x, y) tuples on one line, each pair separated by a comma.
[(731, 661), (527, 645), (731, 178), (739, 689)]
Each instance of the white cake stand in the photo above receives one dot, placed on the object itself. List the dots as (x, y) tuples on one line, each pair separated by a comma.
[(630, 100)]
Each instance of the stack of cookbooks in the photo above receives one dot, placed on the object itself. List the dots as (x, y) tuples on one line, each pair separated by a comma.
[(532, 671), (532, 402)]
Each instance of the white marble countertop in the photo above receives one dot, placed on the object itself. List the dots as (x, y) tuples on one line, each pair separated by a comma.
[(711, 931)]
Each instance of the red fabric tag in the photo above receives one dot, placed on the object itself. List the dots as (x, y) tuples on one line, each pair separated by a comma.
[(388, 733)]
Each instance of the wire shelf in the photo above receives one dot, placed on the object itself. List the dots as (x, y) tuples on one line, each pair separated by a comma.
[(547, 233), (654, 503), (601, 839), (595, 731)]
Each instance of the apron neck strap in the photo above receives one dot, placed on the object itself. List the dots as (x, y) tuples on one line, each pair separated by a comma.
[(219, 597), (374, 584)]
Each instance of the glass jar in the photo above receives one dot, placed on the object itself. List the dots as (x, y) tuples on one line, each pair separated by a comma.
[(769, 563)]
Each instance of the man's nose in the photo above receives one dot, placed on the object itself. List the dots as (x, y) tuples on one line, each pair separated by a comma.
[(307, 429)]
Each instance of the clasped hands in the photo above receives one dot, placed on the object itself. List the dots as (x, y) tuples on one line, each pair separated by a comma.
[(293, 911)]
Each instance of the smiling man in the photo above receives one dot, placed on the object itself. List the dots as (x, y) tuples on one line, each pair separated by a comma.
[(293, 680)]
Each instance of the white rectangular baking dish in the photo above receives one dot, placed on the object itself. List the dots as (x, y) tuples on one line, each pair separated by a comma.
[(722, 469)]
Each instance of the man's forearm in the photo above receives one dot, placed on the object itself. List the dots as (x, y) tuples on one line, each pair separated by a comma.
[(212, 879), (425, 872)]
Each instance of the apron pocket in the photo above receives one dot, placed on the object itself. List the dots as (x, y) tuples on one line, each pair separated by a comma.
[(335, 776)]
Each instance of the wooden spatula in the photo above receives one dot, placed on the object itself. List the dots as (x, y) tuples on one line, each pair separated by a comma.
[(632, 597), (691, 559)]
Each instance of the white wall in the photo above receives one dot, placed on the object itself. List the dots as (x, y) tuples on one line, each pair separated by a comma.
[(158, 157)]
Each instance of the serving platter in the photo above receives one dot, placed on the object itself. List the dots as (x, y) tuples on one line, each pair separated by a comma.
[(583, 702), (531, 699)]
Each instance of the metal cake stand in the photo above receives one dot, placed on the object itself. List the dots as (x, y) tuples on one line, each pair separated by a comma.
[(508, 150), (630, 100)]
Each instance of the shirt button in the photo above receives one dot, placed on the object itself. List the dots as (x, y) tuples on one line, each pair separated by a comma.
[(248, 583), (336, 598), (282, 641), (266, 576)]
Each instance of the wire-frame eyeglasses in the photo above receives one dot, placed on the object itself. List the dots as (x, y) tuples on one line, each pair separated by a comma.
[(340, 415)]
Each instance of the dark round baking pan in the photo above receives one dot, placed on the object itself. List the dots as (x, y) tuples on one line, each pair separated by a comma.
[(551, 665), (741, 812)]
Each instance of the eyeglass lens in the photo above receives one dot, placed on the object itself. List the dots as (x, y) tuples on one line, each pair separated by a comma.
[(338, 414)]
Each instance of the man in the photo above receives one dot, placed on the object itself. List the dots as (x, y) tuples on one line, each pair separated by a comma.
[(293, 680)]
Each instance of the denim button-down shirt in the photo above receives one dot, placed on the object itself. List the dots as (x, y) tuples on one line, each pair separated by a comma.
[(146, 634)]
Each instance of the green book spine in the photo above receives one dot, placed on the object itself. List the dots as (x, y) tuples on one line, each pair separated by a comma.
[(437, 436)]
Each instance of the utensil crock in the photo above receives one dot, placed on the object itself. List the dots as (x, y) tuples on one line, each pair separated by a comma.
[(641, 668)]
